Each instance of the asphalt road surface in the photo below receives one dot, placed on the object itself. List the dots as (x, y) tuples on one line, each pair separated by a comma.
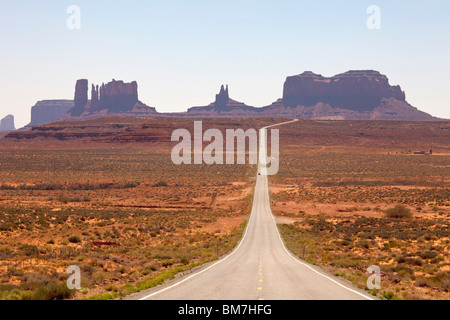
[(259, 268)]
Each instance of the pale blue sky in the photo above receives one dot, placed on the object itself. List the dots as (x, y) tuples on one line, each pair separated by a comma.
[(181, 51)]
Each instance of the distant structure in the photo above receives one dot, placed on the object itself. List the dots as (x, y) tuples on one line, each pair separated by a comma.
[(7, 123), (46, 111), (223, 106), (357, 90), (115, 96), (81, 97), (222, 98), (94, 97)]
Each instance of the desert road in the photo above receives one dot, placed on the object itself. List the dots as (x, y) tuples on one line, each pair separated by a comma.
[(260, 267)]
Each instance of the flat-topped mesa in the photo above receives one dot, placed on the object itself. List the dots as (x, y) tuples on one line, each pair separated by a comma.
[(7, 123), (48, 110), (117, 96), (359, 90)]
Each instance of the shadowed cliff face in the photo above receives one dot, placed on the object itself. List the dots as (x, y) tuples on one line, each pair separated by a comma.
[(222, 98), (353, 95), (7, 123), (81, 97), (117, 96), (354, 90), (48, 110), (223, 106)]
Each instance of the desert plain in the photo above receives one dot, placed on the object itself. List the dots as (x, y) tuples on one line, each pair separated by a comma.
[(104, 195)]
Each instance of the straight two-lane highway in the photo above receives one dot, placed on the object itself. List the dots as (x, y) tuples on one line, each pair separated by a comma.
[(259, 268)]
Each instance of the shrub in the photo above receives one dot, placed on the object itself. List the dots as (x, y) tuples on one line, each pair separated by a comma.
[(437, 259), (446, 285), (29, 249), (5, 227), (428, 255), (63, 198), (112, 287), (388, 295), (167, 263), (148, 269), (160, 184), (415, 262), (43, 222), (364, 244), (404, 269), (74, 239), (399, 212), (98, 277), (53, 291), (422, 283)]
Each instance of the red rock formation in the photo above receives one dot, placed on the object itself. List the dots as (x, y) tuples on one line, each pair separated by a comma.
[(354, 90), (48, 110), (389, 109), (117, 96), (94, 98), (7, 123), (223, 106), (222, 98), (81, 97), (354, 95)]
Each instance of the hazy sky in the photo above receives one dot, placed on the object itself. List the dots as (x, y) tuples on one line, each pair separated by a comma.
[(181, 51)]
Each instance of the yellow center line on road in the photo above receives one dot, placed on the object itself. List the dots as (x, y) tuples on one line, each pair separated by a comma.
[(260, 280)]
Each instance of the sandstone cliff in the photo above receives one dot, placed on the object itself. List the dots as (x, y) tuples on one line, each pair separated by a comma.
[(115, 97), (223, 106), (354, 90), (354, 95), (48, 110), (81, 97), (7, 123)]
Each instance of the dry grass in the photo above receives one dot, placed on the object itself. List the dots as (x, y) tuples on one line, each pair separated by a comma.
[(351, 199)]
